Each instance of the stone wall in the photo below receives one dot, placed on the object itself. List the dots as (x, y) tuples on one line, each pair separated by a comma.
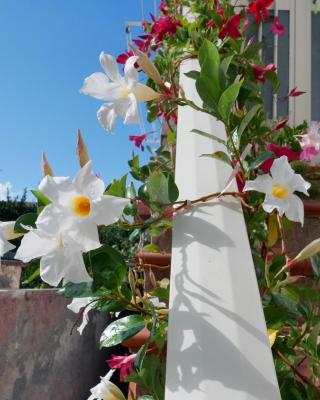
[(39, 359)]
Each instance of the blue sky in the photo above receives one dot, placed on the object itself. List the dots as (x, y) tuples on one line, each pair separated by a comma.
[(47, 48)]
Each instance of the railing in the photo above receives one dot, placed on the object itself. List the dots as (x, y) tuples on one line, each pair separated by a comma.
[(218, 347)]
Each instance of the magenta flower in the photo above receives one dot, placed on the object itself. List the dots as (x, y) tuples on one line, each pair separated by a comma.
[(260, 72), (276, 27), (124, 363), (138, 140), (259, 8), (295, 93), (278, 151)]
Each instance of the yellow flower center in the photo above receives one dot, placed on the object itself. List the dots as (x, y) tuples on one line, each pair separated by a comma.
[(280, 192), (81, 206), (125, 92)]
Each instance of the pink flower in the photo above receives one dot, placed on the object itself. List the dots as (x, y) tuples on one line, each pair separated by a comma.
[(124, 363), (278, 151), (310, 143), (138, 140), (309, 153), (259, 8), (280, 125), (294, 93), (260, 72), (276, 27)]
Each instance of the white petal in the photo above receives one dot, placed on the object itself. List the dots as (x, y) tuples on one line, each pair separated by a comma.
[(88, 183), (7, 228), (295, 209), (132, 113), (52, 186), (76, 305), (5, 246), (130, 72), (52, 268), (74, 268), (109, 64), (108, 209), (297, 183), (84, 235), (107, 116), (281, 171), (34, 245), (261, 184), (272, 203), (144, 93), (53, 219), (98, 86)]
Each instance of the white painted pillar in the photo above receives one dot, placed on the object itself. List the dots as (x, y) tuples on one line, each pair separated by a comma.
[(218, 347)]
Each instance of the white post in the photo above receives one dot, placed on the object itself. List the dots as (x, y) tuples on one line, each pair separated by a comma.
[(218, 347)]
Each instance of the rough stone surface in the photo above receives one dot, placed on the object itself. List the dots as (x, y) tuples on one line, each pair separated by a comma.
[(10, 273), (39, 359)]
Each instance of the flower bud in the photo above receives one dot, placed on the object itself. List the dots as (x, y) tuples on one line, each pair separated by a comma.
[(45, 166), (82, 151), (147, 65)]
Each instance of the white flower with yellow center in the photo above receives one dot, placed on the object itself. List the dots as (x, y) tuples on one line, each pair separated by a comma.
[(279, 189), (79, 206), (7, 233), (61, 255), (121, 93), (106, 390)]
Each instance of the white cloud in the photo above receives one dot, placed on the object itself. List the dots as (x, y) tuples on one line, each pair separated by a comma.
[(4, 187)]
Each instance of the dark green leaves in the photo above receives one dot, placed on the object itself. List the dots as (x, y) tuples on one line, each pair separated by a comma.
[(266, 155), (248, 118), (209, 136), (122, 329), (117, 187), (28, 219), (108, 268), (161, 189)]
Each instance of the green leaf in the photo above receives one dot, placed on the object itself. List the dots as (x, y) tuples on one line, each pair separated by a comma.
[(206, 90), (312, 340), (227, 100), (131, 191), (117, 187), (83, 289), (193, 74), (157, 188), (219, 155), (173, 190), (209, 136), (225, 64), (315, 262), (266, 155), (122, 329), (152, 248), (108, 267), (28, 219), (42, 199), (247, 119), (209, 51), (146, 397)]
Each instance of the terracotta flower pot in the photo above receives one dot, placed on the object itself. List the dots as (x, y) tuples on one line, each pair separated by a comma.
[(299, 237), (137, 341)]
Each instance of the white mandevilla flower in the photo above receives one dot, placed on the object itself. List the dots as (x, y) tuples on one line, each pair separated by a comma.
[(7, 233), (87, 303), (121, 93), (106, 390), (61, 255), (79, 206), (279, 189)]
